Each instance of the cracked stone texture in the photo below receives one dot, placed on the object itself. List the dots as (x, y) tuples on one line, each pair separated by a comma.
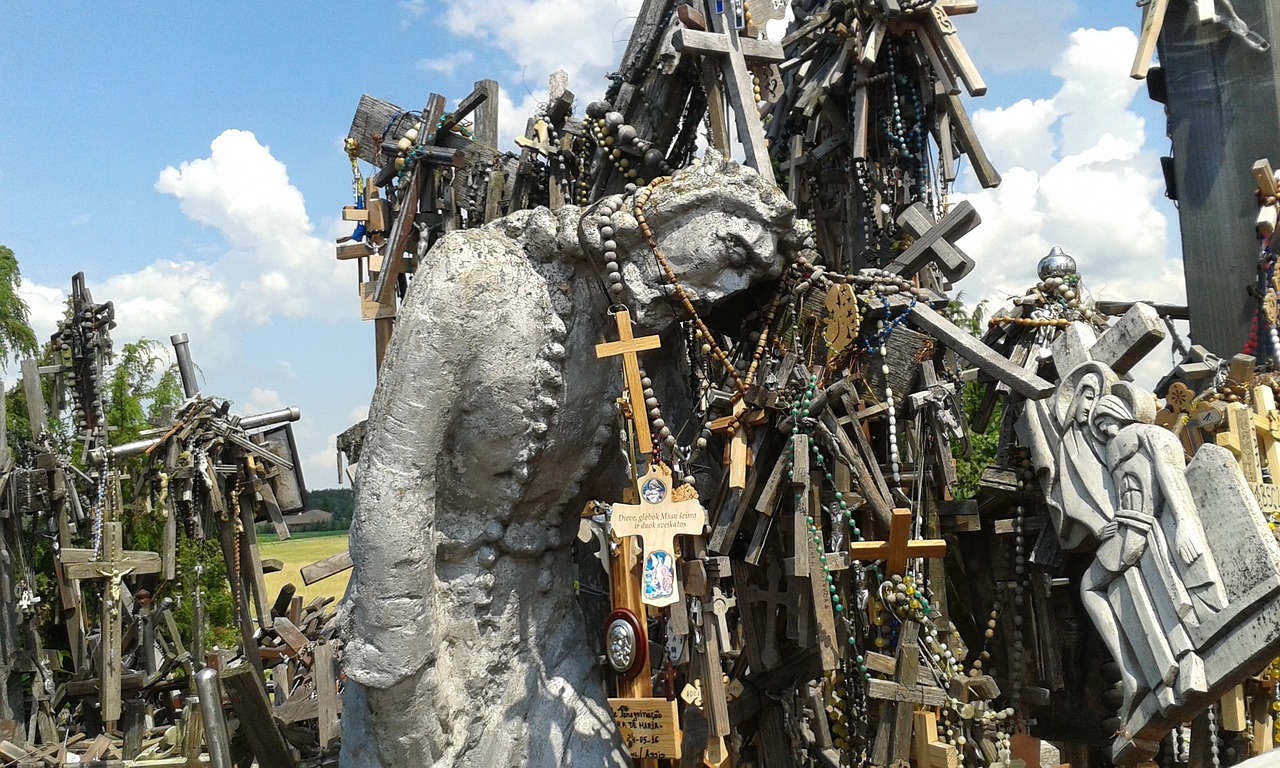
[(487, 434)]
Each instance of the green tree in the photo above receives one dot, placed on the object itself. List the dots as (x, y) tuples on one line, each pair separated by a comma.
[(16, 337), (983, 446)]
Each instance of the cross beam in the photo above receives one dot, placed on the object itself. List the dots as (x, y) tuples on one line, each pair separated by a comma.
[(627, 346), (933, 241), (899, 548), (732, 53)]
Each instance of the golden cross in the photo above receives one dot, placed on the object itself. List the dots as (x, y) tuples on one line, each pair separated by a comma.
[(627, 346), (899, 548)]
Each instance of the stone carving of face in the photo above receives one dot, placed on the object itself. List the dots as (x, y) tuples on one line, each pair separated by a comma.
[(1086, 396)]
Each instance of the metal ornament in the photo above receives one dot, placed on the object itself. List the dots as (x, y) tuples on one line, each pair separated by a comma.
[(626, 647), (1057, 264)]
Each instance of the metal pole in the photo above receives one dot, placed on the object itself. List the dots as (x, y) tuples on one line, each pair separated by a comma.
[(215, 723), (186, 368)]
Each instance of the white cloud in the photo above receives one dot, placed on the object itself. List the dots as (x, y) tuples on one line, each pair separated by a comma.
[(586, 40), (262, 401), (1076, 176), (447, 64), (275, 267)]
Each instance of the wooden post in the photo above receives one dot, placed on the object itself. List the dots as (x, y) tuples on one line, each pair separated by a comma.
[(1222, 93), (249, 697)]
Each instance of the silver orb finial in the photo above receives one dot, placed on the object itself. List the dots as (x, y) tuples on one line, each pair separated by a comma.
[(1056, 264)]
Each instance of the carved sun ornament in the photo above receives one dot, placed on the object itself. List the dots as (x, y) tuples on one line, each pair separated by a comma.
[(1179, 398)]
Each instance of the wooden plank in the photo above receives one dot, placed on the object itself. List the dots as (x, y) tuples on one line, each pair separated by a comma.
[(325, 568), (1153, 13), (650, 728), (967, 137), (37, 416), (326, 688), (248, 697)]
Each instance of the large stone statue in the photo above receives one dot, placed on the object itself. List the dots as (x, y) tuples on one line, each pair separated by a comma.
[(1184, 587), (487, 434)]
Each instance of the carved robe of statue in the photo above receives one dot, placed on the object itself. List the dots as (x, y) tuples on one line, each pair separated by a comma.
[(1154, 576), (489, 430), (1068, 453)]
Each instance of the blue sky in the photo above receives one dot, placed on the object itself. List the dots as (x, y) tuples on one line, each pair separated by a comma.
[(247, 104)]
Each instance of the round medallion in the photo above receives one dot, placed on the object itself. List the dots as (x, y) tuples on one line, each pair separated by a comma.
[(625, 643), (653, 491)]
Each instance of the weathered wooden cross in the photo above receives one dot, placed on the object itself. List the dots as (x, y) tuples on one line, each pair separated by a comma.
[(733, 52), (1120, 348), (933, 241), (1153, 12), (893, 739), (899, 548), (657, 520), (627, 346), (114, 564)]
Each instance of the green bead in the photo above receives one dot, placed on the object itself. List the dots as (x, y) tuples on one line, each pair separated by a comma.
[(839, 608), (832, 588), (839, 495)]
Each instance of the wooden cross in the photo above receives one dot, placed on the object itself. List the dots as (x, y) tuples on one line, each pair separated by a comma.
[(1152, 21), (1121, 347), (114, 564), (893, 739), (733, 52), (899, 548), (933, 241), (940, 37), (657, 519), (737, 454), (930, 751), (719, 607), (770, 599), (627, 346), (543, 144)]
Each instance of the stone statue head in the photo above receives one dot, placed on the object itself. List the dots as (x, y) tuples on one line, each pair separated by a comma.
[(720, 227), (1078, 393)]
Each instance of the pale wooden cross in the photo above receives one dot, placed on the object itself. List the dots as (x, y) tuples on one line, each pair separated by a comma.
[(1120, 348), (543, 144), (627, 346), (657, 520), (733, 52), (929, 750), (1152, 22), (899, 548), (115, 563), (737, 452), (933, 241)]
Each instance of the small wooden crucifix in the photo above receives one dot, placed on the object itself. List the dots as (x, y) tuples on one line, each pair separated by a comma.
[(114, 564), (736, 426), (627, 346), (899, 548), (662, 514)]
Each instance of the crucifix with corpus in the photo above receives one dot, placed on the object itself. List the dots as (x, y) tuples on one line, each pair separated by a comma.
[(112, 564), (735, 426)]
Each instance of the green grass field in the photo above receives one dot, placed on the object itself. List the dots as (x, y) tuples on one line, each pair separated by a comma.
[(300, 551)]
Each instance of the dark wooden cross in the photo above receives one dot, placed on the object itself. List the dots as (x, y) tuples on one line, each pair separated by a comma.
[(732, 53), (933, 241), (113, 564), (627, 346), (899, 697)]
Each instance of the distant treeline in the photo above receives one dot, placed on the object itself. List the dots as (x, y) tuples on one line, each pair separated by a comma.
[(338, 502)]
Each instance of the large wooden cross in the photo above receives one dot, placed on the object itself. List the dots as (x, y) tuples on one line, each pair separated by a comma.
[(933, 241), (899, 548), (114, 564), (732, 53), (627, 346), (893, 739), (1120, 348), (657, 520)]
